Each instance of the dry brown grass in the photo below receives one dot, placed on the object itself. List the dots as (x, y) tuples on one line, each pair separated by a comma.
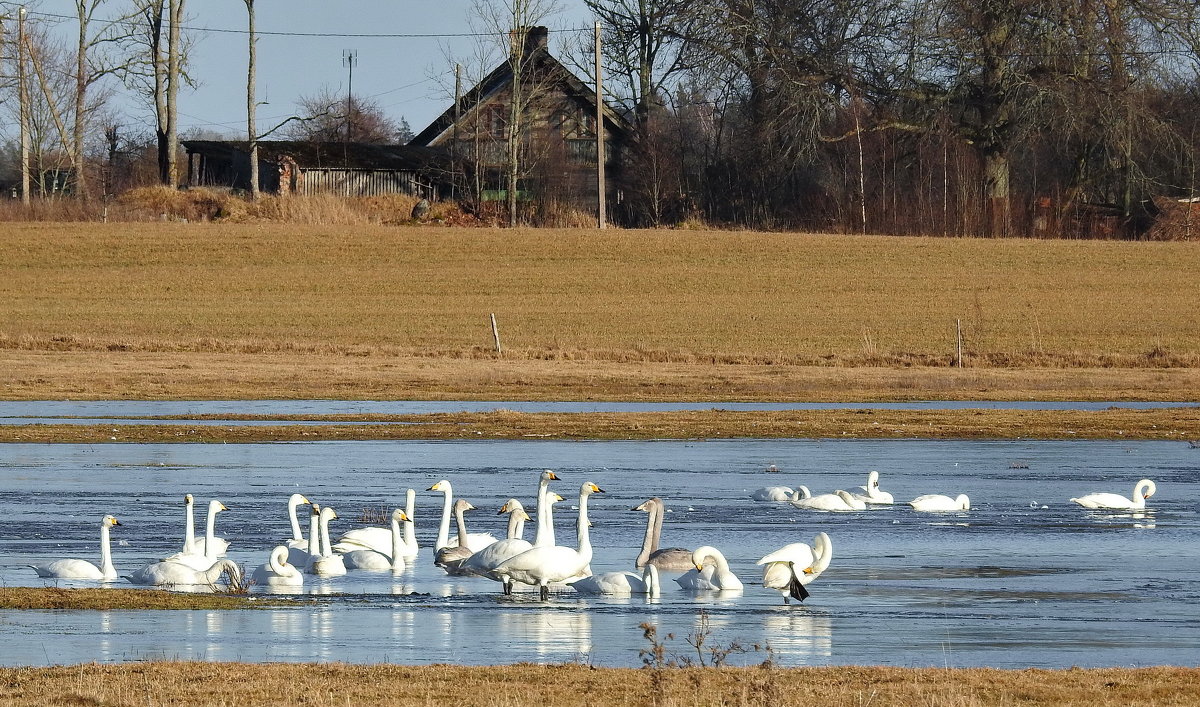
[(1182, 424), (203, 684)]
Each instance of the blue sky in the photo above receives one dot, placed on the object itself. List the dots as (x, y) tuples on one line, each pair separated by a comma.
[(410, 77)]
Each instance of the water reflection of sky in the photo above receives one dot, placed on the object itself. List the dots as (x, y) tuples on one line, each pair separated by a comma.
[(1023, 579)]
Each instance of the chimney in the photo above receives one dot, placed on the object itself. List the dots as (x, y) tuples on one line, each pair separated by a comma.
[(536, 38)]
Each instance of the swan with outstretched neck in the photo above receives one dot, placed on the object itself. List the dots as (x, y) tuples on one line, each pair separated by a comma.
[(82, 569), (541, 566), (667, 558), (791, 567), (1142, 490), (210, 545), (328, 563), (451, 557), (475, 541)]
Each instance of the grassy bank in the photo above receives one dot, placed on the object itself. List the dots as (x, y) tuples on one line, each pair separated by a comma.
[(202, 684), (1179, 424), (123, 599)]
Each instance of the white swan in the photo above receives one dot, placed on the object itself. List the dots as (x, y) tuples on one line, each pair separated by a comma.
[(380, 539), (837, 501), (297, 540), (449, 558), (486, 560), (937, 503), (209, 547), (709, 577), (773, 493), (276, 572), (303, 557), (82, 569), (328, 564), (373, 559), (540, 566), (620, 583), (667, 558), (475, 541), (1141, 491), (544, 531), (792, 566), (871, 493), (164, 573)]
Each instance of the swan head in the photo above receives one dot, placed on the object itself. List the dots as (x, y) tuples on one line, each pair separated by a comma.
[(589, 488), (800, 493), (873, 479), (704, 552), (443, 486), (647, 507), (316, 509), (297, 499), (554, 498), (187, 499), (1148, 487), (109, 521), (963, 502), (215, 506), (400, 516), (512, 505), (549, 475), (463, 505), (327, 513)]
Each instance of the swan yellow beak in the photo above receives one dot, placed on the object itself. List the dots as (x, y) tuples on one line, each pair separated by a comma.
[(503, 510), (808, 570), (116, 522), (551, 475), (435, 487), (699, 568), (304, 500), (597, 489), (224, 507), (404, 517)]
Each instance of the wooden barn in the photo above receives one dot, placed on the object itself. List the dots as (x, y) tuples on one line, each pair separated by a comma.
[(305, 167), (558, 135)]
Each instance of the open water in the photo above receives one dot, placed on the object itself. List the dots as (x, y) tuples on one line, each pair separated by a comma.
[(1024, 578)]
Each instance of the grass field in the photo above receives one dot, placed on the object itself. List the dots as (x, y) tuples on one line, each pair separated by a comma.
[(209, 310)]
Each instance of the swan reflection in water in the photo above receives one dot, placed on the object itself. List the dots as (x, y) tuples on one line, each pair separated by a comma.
[(554, 634), (799, 634)]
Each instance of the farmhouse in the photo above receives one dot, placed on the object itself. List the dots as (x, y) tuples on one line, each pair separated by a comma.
[(557, 129), (306, 167)]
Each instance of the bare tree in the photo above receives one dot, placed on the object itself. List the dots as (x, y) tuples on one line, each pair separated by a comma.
[(323, 118)]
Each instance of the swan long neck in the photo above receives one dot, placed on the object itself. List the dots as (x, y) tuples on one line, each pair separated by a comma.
[(461, 524), (516, 526), (544, 533), (660, 510), (278, 560), (297, 534), (650, 576), (189, 526), (581, 531), (210, 532), (410, 531), (106, 563), (647, 541), (824, 551), (397, 546), (326, 546), (443, 537), (212, 574), (314, 534)]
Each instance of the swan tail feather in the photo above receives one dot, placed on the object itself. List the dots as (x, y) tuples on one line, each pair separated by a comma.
[(796, 590)]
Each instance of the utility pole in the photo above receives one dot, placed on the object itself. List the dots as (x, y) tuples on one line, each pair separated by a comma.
[(454, 141), (175, 11), (600, 186), (23, 100), (252, 104), (349, 59)]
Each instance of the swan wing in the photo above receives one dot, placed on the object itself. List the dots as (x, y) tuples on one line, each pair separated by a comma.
[(366, 560), (1104, 500), (372, 538), (68, 569)]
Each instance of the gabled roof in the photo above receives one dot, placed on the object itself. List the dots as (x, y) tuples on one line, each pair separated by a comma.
[(330, 155), (540, 62)]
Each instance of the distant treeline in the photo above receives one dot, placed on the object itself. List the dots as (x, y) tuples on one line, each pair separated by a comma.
[(959, 117)]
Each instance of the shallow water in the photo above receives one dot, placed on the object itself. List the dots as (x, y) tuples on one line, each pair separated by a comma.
[(1010, 583)]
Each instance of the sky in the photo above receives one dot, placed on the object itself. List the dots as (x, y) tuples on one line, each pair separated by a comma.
[(410, 77)]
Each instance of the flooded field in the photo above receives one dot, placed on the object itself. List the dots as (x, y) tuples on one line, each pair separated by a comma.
[(1024, 578)]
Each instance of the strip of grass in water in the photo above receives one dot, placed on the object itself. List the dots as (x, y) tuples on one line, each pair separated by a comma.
[(115, 599), (1114, 423)]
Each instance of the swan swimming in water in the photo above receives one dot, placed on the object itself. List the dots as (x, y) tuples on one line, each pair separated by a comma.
[(365, 559), (165, 573), (837, 501), (380, 539), (871, 493), (709, 577), (82, 569), (475, 541), (210, 545), (667, 558), (791, 567), (450, 558), (773, 493), (937, 503), (620, 583), (276, 572), (328, 563), (1142, 490), (484, 562)]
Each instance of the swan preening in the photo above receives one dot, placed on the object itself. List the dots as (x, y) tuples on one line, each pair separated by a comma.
[(1142, 490), (167, 573), (277, 572), (82, 569), (871, 493), (937, 503), (773, 493), (791, 567), (620, 583), (669, 558), (709, 577)]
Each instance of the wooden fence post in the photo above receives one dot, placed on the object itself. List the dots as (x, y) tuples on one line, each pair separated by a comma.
[(496, 333)]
